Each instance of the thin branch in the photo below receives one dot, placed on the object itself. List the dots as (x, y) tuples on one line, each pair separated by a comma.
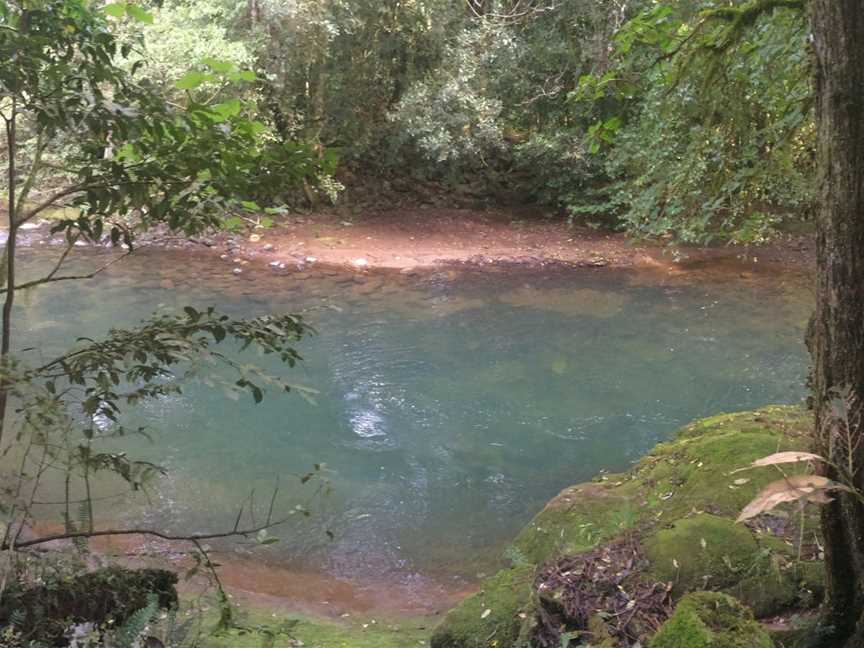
[(53, 198), (68, 191), (57, 265), (195, 537), (50, 278), (35, 168), (273, 500)]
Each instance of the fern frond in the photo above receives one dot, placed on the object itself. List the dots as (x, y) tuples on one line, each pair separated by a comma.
[(128, 633)]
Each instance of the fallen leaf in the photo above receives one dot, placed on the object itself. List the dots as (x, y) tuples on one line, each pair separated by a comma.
[(806, 488), (778, 458)]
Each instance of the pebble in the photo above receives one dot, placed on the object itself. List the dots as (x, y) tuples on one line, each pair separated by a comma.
[(360, 263), (274, 264), (237, 271), (269, 247), (311, 259)]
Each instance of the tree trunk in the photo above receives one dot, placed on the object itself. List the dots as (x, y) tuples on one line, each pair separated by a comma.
[(838, 344)]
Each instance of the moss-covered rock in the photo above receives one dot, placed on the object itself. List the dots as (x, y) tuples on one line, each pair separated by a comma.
[(689, 474), (680, 497), (767, 594), (577, 520), (710, 552), (702, 552), (711, 620), (491, 618)]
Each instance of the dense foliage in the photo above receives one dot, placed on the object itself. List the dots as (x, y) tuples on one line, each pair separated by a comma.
[(587, 107), (91, 138)]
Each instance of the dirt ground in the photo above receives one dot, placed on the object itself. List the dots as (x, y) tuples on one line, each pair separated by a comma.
[(422, 237), (417, 238)]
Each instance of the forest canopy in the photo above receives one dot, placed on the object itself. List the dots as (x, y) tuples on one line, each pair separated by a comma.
[(681, 120), (675, 120)]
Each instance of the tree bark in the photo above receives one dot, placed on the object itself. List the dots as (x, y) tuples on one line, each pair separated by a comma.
[(838, 342)]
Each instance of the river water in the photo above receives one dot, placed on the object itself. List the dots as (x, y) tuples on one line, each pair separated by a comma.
[(450, 405)]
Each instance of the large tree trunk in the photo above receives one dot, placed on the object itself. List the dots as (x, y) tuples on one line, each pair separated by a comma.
[(838, 344)]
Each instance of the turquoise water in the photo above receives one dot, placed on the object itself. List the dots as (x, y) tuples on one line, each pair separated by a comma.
[(451, 405)]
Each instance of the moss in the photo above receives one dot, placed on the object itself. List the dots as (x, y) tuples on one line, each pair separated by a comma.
[(683, 630), (260, 629), (711, 620), (691, 473), (576, 520), (811, 575), (710, 552), (701, 552), (492, 616), (767, 594)]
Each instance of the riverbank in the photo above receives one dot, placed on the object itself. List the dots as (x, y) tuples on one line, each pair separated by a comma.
[(418, 238), (415, 239)]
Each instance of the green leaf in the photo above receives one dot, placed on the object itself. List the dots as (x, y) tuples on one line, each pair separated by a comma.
[(257, 394), (217, 65), (139, 14), (232, 223), (193, 79), (241, 75), (227, 109), (115, 10), (251, 206)]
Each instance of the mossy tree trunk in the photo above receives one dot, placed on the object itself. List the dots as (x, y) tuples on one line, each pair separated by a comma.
[(838, 344)]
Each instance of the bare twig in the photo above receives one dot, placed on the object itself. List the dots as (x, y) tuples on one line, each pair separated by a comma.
[(51, 278), (195, 537)]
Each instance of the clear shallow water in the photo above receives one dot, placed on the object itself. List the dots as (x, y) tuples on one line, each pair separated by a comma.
[(451, 405)]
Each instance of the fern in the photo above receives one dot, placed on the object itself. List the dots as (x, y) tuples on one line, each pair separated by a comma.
[(17, 618), (129, 632)]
